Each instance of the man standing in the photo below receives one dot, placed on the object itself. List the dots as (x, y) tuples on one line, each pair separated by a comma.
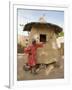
[(31, 51)]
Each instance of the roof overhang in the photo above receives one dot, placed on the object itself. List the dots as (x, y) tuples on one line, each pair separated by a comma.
[(28, 26)]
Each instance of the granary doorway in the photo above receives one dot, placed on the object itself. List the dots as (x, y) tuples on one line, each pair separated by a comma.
[(42, 37)]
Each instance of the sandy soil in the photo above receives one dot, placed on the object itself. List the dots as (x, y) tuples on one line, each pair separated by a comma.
[(55, 73)]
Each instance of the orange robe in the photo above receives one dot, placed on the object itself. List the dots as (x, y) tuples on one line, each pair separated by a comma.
[(31, 51)]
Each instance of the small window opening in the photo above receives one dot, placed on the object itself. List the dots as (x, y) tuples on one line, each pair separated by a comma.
[(42, 37)]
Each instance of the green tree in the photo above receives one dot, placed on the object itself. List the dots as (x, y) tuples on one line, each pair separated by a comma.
[(61, 34)]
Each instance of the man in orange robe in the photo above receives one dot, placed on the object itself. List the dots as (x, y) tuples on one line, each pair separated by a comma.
[(31, 50)]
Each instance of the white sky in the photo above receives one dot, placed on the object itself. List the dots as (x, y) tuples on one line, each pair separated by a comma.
[(51, 16)]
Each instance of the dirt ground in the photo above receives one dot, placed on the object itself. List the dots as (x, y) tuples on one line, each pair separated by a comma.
[(56, 73)]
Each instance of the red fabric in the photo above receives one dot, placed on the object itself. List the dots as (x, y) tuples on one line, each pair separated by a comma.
[(31, 51)]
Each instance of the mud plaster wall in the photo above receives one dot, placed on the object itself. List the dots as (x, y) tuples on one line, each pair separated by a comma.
[(49, 53)]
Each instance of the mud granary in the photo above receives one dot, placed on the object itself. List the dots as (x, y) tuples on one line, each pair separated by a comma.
[(44, 32)]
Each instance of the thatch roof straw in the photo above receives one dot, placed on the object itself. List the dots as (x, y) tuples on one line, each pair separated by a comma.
[(28, 26)]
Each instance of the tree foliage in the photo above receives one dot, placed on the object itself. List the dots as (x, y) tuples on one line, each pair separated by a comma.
[(61, 34)]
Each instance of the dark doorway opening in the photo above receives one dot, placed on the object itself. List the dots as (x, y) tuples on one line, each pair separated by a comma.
[(42, 37)]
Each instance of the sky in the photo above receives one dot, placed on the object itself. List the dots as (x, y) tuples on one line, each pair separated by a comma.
[(27, 15)]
